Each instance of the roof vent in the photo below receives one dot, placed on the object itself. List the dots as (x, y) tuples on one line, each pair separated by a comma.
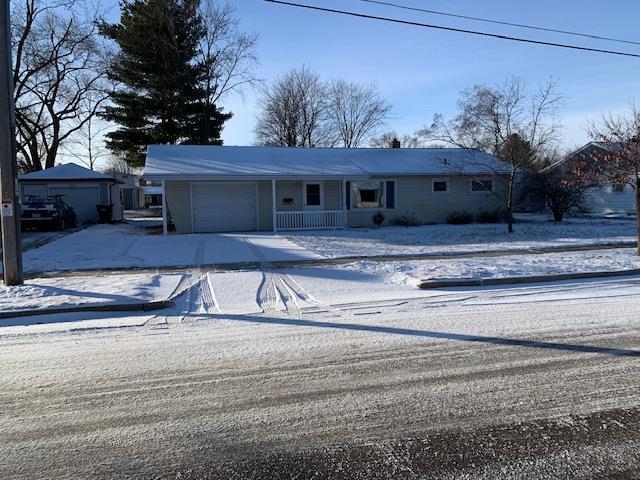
[(395, 143)]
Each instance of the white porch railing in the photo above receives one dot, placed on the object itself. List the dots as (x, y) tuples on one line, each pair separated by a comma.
[(309, 220)]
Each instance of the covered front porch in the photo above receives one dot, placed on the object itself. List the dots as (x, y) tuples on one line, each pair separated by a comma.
[(308, 204)]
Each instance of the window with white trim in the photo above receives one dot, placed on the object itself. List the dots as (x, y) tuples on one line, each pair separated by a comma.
[(482, 186), (617, 188), (373, 194)]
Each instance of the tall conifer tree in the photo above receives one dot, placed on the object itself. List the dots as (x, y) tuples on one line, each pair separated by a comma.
[(160, 96)]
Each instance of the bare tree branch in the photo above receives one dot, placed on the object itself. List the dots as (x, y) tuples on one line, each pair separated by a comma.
[(355, 111), (617, 159), (58, 63), (507, 121)]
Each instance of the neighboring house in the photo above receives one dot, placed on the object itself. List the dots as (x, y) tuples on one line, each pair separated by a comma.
[(608, 198), (81, 188), (131, 192), (224, 189)]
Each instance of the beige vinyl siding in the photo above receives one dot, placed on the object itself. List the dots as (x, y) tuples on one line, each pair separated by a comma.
[(289, 189), (265, 200), (178, 198), (603, 201), (332, 195), (415, 196), (294, 189)]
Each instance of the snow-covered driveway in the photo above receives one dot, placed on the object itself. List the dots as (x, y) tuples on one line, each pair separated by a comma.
[(127, 246)]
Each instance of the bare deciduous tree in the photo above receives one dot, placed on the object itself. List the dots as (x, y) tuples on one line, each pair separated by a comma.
[(561, 185), (506, 120), (355, 111), (293, 112), (227, 54), (86, 145), (619, 160), (58, 62), (300, 110)]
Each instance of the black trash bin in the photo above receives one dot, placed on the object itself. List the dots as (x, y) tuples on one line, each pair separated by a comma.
[(105, 213)]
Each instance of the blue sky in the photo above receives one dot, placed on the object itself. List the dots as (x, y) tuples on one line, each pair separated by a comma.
[(421, 71)]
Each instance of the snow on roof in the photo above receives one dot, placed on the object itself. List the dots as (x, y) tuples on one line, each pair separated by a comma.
[(188, 161), (66, 171)]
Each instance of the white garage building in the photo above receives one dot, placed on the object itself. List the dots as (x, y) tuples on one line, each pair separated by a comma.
[(81, 188)]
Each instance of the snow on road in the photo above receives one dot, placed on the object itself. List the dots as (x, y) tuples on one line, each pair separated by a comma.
[(440, 239), (87, 403)]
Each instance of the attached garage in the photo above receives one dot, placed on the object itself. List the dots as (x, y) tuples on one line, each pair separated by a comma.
[(79, 187), (224, 207)]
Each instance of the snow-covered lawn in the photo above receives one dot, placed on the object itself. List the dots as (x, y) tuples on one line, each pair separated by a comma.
[(410, 272), (44, 293), (436, 239), (128, 246)]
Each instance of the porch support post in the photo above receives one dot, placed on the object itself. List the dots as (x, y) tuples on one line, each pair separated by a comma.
[(273, 205), (165, 222), (343, 199)]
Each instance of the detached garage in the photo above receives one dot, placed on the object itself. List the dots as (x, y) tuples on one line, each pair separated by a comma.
[(79, 187)]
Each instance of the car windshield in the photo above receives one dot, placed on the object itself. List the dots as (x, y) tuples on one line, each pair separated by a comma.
[(38, 203)]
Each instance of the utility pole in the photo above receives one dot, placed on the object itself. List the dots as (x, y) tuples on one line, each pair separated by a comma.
[(10, 215)]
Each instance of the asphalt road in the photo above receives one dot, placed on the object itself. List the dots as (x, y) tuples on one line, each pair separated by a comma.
[(523, 383)]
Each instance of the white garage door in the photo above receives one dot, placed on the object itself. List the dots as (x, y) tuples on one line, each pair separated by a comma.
[(82, 199), (224, 207)]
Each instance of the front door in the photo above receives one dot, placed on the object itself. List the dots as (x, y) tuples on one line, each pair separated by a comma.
[(313, 196)]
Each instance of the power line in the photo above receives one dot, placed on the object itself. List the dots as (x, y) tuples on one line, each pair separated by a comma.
[(499, 22), (452, 29)]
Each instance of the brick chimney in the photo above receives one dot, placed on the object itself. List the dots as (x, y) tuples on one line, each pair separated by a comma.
[(395, 143)]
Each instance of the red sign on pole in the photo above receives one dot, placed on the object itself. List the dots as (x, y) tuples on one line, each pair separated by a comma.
[(7, 208)]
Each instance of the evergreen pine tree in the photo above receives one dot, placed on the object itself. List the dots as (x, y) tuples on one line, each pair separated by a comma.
[(160, 98)]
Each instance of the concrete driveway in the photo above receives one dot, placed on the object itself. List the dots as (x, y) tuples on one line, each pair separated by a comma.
[(129, 245), (35, 239)]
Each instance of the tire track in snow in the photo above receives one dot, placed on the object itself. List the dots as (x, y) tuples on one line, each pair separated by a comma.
[(279, 289), (194, 295)]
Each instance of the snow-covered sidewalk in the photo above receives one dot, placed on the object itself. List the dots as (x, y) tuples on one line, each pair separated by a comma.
[(446, 239)]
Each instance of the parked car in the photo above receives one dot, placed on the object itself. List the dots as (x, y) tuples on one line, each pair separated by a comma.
[(48, 213)]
